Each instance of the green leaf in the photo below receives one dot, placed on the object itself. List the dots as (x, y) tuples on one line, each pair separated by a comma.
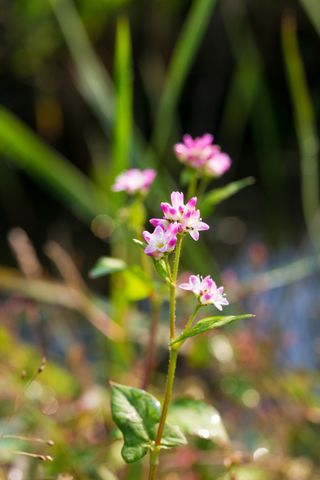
[(219, 194), (161, 268), (137, 284), (247, 472), (209, 323), (137, 414), (107, 265), (172, 436), (139, 243), (312, 9), (198, 419)]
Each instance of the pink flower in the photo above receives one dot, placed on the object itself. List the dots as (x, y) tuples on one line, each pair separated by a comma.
[(134, 181), (206, 290), (193, 224), (161, 241), (195, 152), (178, 210), (185, 215), (203, 155), (217, 165)]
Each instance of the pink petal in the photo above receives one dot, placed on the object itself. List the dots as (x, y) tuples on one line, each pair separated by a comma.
[(194, 234), (165, 207), (158, 222), (188, 140), (185, 286), (201, 226), (192, 203), (146, 235), (149, 249)]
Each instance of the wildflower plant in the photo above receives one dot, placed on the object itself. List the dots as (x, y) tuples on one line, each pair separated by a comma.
[(146, 423)]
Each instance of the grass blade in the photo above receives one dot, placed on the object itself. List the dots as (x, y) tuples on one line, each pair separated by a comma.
[(181, 62), (305, 124), (218, 195), (123, 90), (312, 9), (93, 79), (48, 167)]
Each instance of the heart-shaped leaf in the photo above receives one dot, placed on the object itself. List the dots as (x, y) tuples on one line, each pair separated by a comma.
[(172, 436), (137, 414), (107, 265), (198, 419), (217, 195), (208, 323)]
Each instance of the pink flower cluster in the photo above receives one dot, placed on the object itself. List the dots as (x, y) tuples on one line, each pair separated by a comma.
[(178, 218), (206, 290), (201, 154), (134, 181)]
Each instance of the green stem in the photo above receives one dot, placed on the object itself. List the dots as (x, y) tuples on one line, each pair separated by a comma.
[(193, 316), (168, 393), (152, 471), (173, 288), (202, 187), (192, 187), (154, 455)]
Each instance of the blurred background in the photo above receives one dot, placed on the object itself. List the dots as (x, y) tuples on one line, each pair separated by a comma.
[(88, 89)]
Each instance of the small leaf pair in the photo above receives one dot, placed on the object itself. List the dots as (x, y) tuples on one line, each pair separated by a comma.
[(137, 414)]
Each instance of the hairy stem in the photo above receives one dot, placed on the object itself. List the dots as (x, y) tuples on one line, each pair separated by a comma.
[(164, 411), (168, 393), (154, 455), (173, 288)]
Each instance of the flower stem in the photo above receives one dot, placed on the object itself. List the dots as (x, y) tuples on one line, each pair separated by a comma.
[(192, 187), (152, 471), (173, 288), (154, 455), (168, 393), (164, 411), (193, 316), (202, 187)]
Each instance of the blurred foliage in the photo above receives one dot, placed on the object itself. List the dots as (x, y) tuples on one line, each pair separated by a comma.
[(111, 84)]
